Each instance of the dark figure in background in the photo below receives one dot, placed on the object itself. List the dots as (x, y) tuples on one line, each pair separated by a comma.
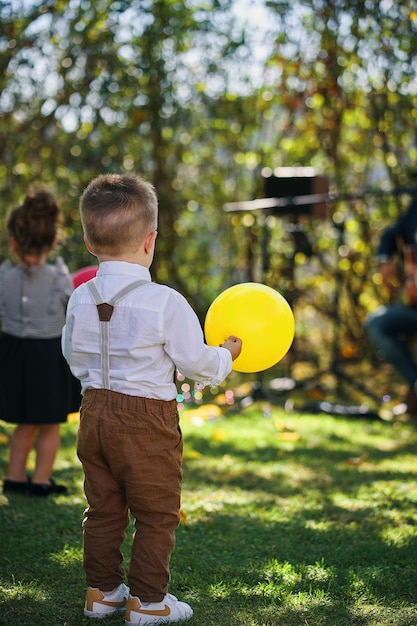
[(391, 326), (37, 388)]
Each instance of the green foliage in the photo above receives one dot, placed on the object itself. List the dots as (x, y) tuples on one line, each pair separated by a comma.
[(199, 99)]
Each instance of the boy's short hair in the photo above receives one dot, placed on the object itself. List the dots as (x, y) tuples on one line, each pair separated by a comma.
[(117, 212)]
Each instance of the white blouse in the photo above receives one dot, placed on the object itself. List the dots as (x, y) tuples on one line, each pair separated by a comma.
[(33, 300)]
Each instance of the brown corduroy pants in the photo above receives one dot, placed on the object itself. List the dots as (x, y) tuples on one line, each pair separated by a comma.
[(131, 452)]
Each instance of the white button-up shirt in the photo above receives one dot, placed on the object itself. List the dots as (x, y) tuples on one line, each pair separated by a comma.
[(153, 331)]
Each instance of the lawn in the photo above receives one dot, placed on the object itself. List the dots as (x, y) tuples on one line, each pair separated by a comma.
[(287, 519)]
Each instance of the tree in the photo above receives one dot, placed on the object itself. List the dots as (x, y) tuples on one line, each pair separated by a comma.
[(340, 96), (114, 86), (174, 91)]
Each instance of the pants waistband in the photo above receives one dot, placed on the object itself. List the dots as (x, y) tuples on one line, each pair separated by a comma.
[(122, 401)]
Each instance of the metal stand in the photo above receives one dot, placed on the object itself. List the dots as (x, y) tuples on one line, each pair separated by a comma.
[(335, 368), (283, 387)]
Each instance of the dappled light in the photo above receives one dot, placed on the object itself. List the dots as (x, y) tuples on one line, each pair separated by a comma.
[(317, 527), (299, 503)]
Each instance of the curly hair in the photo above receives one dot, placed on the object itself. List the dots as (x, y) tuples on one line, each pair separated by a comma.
[(34, 224)]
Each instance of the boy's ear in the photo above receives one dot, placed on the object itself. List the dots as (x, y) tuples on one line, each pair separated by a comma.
[(88, 246), (149, 242)]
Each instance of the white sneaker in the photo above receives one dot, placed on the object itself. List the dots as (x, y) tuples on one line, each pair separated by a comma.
[(99, 605), (165, 612)]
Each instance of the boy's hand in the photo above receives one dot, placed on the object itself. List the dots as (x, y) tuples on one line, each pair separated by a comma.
[(234, 345)]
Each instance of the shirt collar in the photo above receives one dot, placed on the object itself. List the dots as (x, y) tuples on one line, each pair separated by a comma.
[(122, 268)]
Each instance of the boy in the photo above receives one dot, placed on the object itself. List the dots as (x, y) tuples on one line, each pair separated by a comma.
[(124, 338)]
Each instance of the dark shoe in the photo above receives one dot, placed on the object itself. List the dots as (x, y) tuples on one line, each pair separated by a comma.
[(15, 486), (411, 402), (38, 489)]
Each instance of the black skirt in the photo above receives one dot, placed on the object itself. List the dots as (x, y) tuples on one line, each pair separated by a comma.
[(36, 385)]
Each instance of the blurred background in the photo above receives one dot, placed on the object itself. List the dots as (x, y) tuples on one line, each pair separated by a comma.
[(217, 102)]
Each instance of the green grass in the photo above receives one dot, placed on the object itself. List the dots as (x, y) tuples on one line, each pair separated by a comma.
[(291, 520)]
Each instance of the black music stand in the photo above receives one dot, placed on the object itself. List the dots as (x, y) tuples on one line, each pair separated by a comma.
[(335, 367), (296, 192)]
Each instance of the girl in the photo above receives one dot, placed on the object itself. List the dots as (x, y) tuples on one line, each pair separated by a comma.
[(37, 390)]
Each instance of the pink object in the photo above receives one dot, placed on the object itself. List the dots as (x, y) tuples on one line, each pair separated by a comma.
[(85, 273)]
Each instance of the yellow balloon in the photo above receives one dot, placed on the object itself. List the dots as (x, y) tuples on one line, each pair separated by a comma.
[(257, 314)]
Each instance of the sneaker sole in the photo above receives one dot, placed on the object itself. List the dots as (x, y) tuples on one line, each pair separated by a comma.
[(102, 615), (157, 622)]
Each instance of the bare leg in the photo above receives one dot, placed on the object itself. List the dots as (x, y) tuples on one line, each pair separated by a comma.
[(46, 449), (20, 446)]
